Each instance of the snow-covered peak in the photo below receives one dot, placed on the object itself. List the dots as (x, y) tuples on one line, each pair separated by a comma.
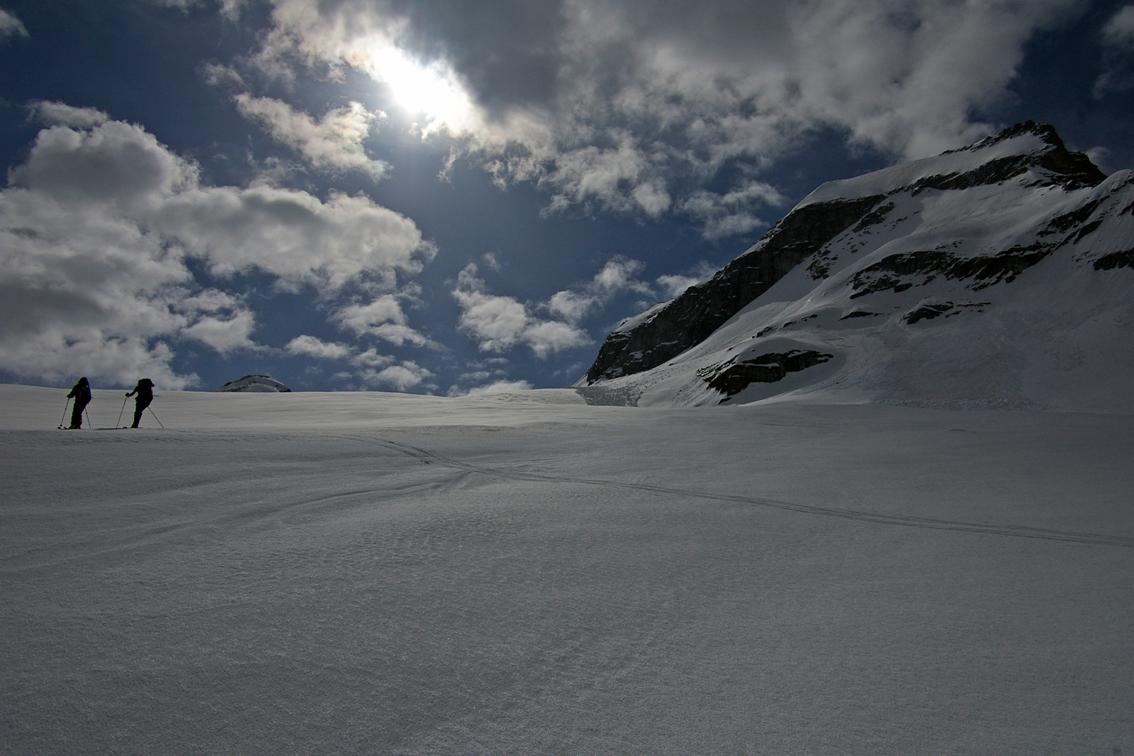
[(632, 322), (1011, 152), (994, 275), (255, 384)]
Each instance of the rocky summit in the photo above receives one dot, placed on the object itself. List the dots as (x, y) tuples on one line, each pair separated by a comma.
[(996, 274), (255, 383)]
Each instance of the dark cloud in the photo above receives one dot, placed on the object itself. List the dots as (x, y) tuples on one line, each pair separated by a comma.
[(507, 52)]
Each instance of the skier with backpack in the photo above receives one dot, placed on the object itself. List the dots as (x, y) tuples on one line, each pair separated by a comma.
[(81, 393), (145, 395)]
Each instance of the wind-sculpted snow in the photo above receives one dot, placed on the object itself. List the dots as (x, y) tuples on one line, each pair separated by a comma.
[(285, 573)]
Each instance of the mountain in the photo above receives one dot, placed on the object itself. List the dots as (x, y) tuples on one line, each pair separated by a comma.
[(999, 274), (255, 384)]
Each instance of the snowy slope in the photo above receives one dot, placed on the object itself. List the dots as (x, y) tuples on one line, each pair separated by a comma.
[(299, 573), (956, 287)]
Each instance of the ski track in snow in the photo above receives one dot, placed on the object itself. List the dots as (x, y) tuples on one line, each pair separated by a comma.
[(930, 523)]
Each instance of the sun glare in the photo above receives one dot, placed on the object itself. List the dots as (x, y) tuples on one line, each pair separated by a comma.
[(422, 91)]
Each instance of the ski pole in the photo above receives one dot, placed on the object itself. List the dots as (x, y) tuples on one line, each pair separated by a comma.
[(155, 417), (65, 406), (90, 425), (118, 424)]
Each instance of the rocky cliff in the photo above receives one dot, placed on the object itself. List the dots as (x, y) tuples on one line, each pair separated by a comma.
[(644, 343), (992, 239)]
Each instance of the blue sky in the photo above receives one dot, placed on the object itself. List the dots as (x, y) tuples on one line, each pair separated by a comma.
[(447, 196)]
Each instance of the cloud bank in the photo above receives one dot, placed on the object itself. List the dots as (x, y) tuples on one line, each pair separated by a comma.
[(633, 107), (10, 26), (98, 227)]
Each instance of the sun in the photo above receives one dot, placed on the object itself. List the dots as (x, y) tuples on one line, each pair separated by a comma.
[(428, 91)]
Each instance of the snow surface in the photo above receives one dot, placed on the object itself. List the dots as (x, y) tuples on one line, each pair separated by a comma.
[(905, 174), (298, 573)]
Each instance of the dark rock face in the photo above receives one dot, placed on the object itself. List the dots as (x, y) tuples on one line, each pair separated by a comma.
[(933, 310), (730, 378), (900, 272), (858, 314), (1071, 170), (1123, 259), (255, 383), (702, 309), (927, 312)]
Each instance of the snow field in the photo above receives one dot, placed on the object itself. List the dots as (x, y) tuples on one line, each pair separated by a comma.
[(383, 573)]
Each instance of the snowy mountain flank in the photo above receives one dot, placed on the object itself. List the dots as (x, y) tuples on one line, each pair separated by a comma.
[(255, 383), (995, 275)]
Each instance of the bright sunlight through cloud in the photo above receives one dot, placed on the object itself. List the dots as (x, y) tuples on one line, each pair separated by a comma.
[(430, 90)]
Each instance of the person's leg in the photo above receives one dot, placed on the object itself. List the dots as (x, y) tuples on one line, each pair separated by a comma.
[(139, 408), (77, 415)]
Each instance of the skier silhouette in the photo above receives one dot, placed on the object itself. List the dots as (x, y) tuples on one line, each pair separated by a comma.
[(81, 393), (145, 392)]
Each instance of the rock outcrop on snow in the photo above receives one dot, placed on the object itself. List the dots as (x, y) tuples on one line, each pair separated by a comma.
[(935, 280), (703, 308), (255, 384)]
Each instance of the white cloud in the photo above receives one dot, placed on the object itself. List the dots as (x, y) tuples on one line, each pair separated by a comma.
[(491, 261), (1119, 30), (61, 114), (82, 291), (360, 319), (358, 35), (500, 322), (673, 285), (209, 300), (382, 318), (632, 107), (371, 369), (549, 336), (371, 359), (115, 165), (1118, 42), (620, 273), (294, 235), (498, 387), (224, 334), (217, 75), (334, 142), (230, 9), (572, 306), (617, 274), (476, 375), (96, 227), (621, 178), (311, 346), (1100, 156), (399, 335), (730, 214), (10, 26), (401, 377)]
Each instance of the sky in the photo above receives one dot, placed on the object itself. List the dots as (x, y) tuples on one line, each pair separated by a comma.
[(453, 197)]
